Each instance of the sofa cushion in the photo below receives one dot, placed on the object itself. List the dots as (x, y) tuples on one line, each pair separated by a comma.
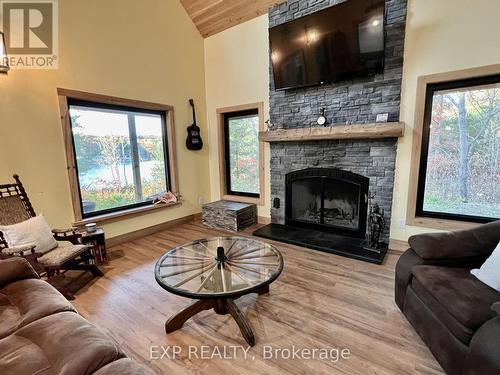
[(456, 298), (63, 344), (476, 242), (15, 269), (124, 366), (25, 301), (496, 307)]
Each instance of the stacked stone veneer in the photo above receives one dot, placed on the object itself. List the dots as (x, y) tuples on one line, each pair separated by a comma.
[(355, 101), (374, 159)]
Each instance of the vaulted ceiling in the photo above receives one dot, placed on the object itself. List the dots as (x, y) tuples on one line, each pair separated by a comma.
[(213, 16)]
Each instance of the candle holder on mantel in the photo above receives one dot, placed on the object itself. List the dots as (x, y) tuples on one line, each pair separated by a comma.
[(270, 126)]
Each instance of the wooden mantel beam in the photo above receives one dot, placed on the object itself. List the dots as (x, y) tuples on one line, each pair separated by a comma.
[(359, 131)]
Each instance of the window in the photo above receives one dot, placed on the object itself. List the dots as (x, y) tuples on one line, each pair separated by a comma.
[(240, 153), (459, 175), (118, 152), (241, 131)]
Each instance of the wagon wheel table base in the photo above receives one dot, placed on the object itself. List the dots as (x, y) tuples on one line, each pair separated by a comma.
[(221, 306), (205, 271)]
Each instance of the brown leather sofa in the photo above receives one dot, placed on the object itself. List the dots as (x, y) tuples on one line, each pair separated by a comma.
[(41, 333), (456, 315)]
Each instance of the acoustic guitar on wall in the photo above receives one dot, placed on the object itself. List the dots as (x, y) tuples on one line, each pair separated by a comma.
[(193, 140)]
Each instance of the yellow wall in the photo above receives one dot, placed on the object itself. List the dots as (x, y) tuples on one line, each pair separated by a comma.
[(148, 50), (442, 36), (236, 72)]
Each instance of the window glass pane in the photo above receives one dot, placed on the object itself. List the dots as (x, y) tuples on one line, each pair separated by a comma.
[(463, 166), (151, 155), (120, 157), (244, 154)]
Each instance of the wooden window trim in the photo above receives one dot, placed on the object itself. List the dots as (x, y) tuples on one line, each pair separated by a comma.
[(125, 214), (422, 82), (221, 146), (63, 96)]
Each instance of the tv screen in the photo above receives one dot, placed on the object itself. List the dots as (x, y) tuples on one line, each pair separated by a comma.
[(340, 42)]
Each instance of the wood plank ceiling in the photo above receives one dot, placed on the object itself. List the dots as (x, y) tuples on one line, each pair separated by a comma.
[(214, 16)]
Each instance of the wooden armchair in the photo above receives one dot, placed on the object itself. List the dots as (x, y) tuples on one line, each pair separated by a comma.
[(70, 254)]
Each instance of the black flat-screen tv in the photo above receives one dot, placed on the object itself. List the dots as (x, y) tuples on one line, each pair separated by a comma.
[(338, 43)]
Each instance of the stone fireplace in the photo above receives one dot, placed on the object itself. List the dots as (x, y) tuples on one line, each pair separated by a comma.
[(321, 192), (370, 163), (324, 179)]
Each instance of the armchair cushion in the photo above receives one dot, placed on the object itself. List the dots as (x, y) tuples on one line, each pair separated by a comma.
[(15, 269), (460, 301), (471, 243), (64, 252), (34, 230)]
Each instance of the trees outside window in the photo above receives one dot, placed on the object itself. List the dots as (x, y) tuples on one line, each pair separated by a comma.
[(241, 138), (460, 161), (121, 156)]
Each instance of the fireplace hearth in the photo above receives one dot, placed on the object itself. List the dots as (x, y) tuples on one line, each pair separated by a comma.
[(326, 209)]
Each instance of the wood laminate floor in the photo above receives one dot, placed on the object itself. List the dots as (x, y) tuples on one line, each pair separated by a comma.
[(321, 301)]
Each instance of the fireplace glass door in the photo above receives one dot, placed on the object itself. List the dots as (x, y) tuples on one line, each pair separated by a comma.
[(327, 199)]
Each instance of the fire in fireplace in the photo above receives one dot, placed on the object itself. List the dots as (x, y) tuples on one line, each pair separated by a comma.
[(327, 199)]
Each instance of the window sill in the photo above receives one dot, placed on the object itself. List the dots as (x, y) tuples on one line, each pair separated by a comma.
[(239, 198), (125, 214), (442, 224)]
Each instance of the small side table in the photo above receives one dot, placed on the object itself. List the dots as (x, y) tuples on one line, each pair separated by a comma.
[(97, 241)]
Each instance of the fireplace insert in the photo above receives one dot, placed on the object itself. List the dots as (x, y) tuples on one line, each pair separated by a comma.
[(327, 199)]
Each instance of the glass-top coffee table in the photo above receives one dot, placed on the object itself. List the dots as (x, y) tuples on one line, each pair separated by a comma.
[(215, 272)]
